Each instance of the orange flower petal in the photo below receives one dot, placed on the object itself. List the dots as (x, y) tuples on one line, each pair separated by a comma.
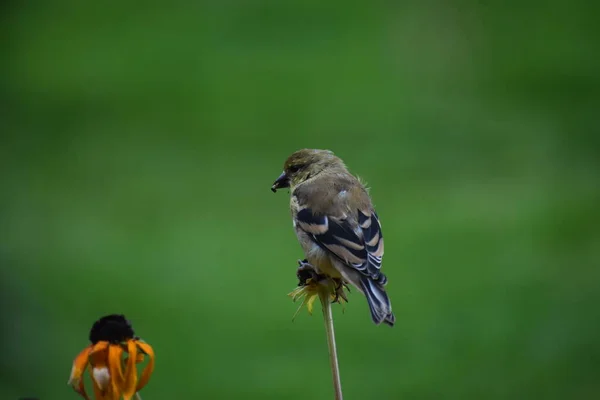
[(99, 393), (129, 388), (115, 353), (99, 354), (79, 364), (81, 390), (99, 371), (138, 359), (100, 346), (105, 394), (146, 348)]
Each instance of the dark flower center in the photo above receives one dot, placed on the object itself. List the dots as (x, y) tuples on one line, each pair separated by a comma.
[(112, 328)]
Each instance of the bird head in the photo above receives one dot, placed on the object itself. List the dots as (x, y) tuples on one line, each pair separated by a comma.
[(305, 164)]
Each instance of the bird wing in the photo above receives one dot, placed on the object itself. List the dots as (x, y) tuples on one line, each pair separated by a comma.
[(355, 239)]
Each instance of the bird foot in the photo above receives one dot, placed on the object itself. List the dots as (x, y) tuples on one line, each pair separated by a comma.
[(305, 272), (339, 291)]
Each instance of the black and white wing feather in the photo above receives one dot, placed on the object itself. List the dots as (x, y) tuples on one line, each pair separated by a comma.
[(358, 242)]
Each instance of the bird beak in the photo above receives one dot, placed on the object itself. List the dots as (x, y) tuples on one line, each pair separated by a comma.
[(282, 182)]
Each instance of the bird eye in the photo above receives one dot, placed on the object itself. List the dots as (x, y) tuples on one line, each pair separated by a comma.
[(295, 168)]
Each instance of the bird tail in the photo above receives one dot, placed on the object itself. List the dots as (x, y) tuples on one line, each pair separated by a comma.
[(379, 302)]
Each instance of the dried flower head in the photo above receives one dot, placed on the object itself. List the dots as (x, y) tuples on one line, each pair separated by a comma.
[(312, 285), (111, 359)]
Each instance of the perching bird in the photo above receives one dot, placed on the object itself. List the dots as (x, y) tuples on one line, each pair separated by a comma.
[(336, 224)]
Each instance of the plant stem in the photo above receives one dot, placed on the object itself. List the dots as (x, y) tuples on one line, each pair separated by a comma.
[(333, 358)]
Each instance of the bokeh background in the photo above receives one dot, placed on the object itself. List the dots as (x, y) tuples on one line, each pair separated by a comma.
[(139, 143)]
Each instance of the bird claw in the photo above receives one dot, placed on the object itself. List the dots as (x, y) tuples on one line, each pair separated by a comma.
[(339, 291)]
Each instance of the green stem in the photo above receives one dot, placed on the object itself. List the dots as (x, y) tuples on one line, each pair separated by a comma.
[(329, 330)]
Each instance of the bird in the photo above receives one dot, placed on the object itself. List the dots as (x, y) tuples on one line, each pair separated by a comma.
[(337, 226)]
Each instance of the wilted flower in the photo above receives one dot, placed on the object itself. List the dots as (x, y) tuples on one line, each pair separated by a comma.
[(112, 376), (311, 285)]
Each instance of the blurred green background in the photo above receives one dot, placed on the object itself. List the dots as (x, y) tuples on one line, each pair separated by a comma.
[(139, 144)]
